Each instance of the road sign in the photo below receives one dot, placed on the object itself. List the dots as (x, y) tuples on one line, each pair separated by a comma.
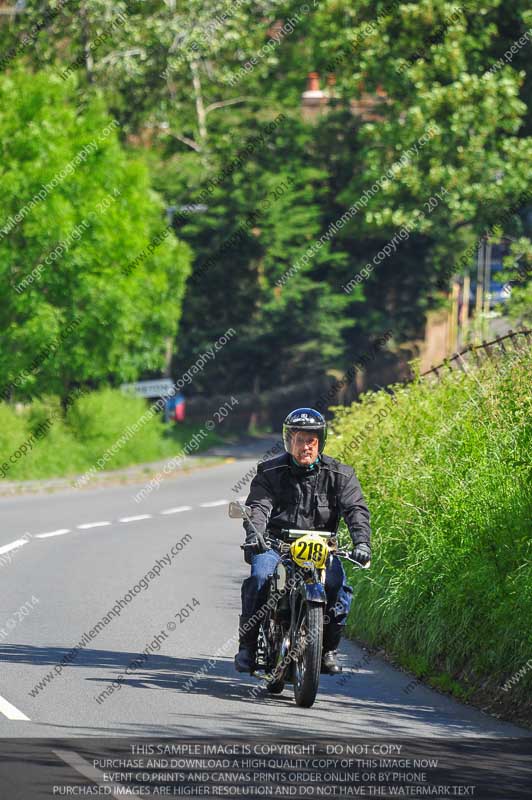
[(158, 388)]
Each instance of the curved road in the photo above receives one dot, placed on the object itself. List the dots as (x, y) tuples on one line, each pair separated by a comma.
[(119, 620), (79, 553)]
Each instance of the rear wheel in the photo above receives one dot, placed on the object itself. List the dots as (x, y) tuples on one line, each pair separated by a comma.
[(307, 662)]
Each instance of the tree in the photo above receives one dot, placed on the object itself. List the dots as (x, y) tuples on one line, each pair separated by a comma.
[(263, 208), (434, 65), (92, 279), (160, 65), (193, 83)]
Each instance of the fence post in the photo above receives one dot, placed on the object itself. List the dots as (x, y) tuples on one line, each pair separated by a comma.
[(476, 354), (487, 348)]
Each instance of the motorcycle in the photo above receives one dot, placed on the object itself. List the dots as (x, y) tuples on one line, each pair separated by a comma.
[(289, 644)]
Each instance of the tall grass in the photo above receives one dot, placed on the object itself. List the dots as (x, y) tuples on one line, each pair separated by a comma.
[(79, 435), (446, 470)]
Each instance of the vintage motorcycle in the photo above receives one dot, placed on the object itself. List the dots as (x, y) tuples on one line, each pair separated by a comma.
[(289, 645)]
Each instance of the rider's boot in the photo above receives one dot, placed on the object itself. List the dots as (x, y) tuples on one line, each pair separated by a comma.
[(247, 646), (332, 633)]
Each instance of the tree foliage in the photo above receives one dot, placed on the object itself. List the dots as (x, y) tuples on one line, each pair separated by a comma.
[(194, 83), (75, 210)]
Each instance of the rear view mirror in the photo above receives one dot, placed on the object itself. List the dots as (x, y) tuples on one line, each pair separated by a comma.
[(238, 510)]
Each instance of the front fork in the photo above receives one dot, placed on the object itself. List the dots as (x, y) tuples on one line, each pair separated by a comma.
[(310, 589)]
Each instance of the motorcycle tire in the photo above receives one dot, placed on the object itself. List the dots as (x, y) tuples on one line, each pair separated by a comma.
[(307, 666)]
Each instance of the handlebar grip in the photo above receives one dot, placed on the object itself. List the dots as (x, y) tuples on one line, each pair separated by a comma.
[(261, 545), (347, 557)]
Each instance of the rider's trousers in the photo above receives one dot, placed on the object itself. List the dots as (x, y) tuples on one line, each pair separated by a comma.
[(339, 594)]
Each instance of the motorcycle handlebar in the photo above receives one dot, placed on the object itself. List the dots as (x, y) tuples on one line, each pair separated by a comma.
[(265, 544), (297, 532), (345, 554), (268, 544)]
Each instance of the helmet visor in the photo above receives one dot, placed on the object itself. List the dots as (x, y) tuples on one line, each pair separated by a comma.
[(297, 439)]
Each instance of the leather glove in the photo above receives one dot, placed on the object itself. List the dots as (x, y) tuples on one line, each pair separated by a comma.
[(361, 552)]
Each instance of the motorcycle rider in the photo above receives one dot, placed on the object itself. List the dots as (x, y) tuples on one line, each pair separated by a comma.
[(306, 489)]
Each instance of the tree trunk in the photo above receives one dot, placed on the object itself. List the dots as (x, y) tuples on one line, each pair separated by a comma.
[(86, 40), (200, 107)]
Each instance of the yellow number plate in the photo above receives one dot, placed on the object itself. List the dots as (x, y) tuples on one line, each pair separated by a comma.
[(310, 547)]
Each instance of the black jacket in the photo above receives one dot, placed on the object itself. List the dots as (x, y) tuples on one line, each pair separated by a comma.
[(284, 496)]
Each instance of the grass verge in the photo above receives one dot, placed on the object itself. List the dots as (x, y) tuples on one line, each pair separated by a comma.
[(44, 440), (446, 471)]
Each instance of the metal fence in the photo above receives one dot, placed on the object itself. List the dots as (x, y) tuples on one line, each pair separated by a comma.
[(516, 340)]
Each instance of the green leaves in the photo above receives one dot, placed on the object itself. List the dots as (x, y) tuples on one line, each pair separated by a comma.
[(74, 210), (166, 70)]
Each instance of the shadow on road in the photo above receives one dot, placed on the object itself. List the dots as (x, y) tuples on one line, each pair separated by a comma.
[(354, 695)]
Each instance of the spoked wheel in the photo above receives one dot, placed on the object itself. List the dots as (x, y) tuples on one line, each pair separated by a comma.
[(307, 662)]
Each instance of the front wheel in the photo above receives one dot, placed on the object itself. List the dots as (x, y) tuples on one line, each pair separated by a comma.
[(307, 661)]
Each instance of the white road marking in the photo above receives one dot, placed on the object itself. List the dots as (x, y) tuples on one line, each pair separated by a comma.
[(176, 510), (85, 768), (135, 519), (60, 532), (10, 711), (92, 525), (215, 503), (13, 545)]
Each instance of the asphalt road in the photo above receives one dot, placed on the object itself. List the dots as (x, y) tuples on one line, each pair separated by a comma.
[(57, 587)]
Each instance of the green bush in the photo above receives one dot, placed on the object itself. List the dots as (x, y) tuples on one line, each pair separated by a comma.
[(98, 419), (72, 441), (446, 471), (13, 432), (54, 450)]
